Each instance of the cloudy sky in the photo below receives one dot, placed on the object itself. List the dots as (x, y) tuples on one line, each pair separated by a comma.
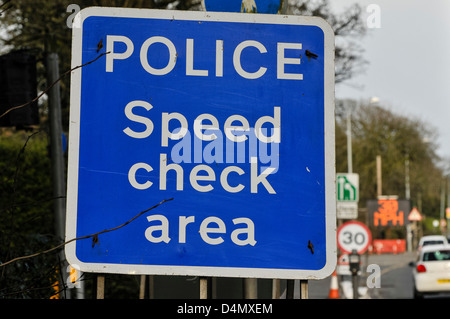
[(409, 58)]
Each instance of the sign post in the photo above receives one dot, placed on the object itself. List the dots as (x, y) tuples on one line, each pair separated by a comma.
[(231, 115)]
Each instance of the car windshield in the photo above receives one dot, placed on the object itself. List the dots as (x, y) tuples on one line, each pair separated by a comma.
[(433, 242), (436, 255)]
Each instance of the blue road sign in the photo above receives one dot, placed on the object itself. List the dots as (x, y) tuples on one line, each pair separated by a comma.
[(254, 6), (229, 114)]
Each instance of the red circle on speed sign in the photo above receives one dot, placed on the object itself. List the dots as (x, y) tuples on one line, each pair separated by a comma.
[(353, 235)]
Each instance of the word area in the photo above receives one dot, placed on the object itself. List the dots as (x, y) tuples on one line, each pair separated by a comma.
[(159, 230)]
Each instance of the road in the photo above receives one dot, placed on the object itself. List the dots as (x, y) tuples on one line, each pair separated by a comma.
[(395, 279), (396, 276)]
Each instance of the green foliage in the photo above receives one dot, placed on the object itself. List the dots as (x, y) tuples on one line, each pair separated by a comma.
[(25, 185), (396, 138), (31, 278), (26, 217)]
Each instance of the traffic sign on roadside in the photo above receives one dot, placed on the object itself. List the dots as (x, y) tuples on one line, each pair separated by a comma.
[(415, 215), (229, 114), (347, 195), (347, 189), (354, 235)]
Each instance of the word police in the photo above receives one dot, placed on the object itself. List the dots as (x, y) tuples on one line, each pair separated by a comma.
[(281, 62)]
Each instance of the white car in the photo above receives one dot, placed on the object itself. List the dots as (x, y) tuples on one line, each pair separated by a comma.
[(432, 240), (431, 271)]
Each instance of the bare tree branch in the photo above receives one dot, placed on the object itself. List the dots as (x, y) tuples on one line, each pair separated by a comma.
[(53, 84), (7, 8), (93, 236)]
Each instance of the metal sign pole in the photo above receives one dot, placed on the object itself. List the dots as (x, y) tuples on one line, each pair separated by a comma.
[(142, 287), (303, 289), (203, 288), (57, 156), (276, 289), (251, 288), (100, 286), (290, 284)]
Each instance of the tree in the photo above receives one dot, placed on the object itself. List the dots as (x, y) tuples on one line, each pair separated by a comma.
[(396, 138), (348, 56), (26, 217)]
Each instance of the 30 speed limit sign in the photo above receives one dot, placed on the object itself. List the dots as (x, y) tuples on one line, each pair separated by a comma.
[(353, 235)]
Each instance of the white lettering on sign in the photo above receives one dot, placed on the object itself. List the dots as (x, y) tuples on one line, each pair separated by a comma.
[(211, 230), (194, 177), (258, 175), (190, 55), (237, 59), (140, 119), (110, 40), (190, 60), (282, 61), (172, 56)]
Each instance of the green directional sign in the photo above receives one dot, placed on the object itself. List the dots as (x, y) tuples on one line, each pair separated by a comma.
[(347, 195), (347, 187)]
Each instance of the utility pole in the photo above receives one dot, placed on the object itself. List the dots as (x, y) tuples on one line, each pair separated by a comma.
[(442, 210), (379, 180), (408, 197), (349, 141), (56, 148), (448, 201), (57, 159)]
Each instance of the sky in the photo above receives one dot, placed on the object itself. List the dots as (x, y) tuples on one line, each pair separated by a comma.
[(409, 62)]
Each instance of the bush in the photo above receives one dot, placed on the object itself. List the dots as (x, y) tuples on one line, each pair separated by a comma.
[(26, 216)]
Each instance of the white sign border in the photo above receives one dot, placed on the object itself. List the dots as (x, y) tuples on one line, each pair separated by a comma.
[(329, 133)]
